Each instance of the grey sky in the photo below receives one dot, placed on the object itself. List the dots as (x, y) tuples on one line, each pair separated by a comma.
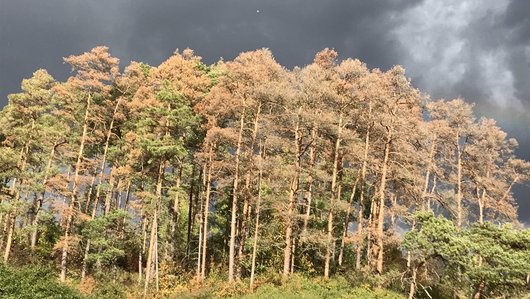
[(477, 49)]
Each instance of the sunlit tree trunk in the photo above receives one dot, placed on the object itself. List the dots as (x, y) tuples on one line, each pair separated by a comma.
[(70, 213), (458, 182), (381, 205), (347, 221), (40, 201), (206, 212), (152, 254), (293, 189), (246, 199), (310, 178), (360, 216), (256, 224), (233, 219), (332, 199)]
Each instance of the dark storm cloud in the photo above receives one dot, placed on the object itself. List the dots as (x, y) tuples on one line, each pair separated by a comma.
[(36, 34), (477, 49)]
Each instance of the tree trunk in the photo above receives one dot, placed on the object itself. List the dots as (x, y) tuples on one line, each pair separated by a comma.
[(233, 220), (360, 216), (176, 203), (108, 193), (332, 199), (256, 224), (190, 210), (293, 189), (427, 177), (153, 240), (458, 182), (381, 214), (347, 220), (70, 213), (206, 212), (412, 289), (310, 178), (246, 198), (480, 289), (34, 233)]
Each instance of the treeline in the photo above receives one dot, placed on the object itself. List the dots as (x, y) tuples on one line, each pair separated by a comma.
[(244, 167)]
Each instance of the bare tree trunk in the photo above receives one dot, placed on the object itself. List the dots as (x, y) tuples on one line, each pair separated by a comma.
[(142, 252), (256, 224), (480, 289), (108, 193), (12, 190), (91, 190), (40, 201), (153, 240), (347, 220), (427, 177), (12, 217), (332, 198), (458, 182), (482, 202), (310, 178), (176, 202), (246, 199), (293, 189), (190, 210), (84, 267), (70, 213), (360, 217), (149, 264), (233, 220), (127, 195), (206, 212), (381, 214), (412, 289)]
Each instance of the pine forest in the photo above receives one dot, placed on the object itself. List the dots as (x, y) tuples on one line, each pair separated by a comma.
[(246, 179)]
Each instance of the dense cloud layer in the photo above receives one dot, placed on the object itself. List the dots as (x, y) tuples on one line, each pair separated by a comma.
[(477, 49)]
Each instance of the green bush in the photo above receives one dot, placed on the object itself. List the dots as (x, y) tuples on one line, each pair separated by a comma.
[(33, 282)]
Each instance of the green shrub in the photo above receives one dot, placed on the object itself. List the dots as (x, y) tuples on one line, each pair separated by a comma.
[(33, 282)]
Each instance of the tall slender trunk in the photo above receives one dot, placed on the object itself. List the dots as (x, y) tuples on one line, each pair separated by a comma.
[(206, 212), (149, 264), (40, 201), (70, 213), (480, 289), (108, 193), (482, 202), (91, 190), (84, 267), (310, 178), (256, 224), (153, 240), (176, 202), (427, 203), (246, 198), (458, 182), (381, 214), (412, 289), (12, 190), (11, 217), (127, 195), (233, 219), (103, 163), (198, 275), (190, 210), (360, 216), (332, 198), (347, 221), (293, 189), (142, 252)]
